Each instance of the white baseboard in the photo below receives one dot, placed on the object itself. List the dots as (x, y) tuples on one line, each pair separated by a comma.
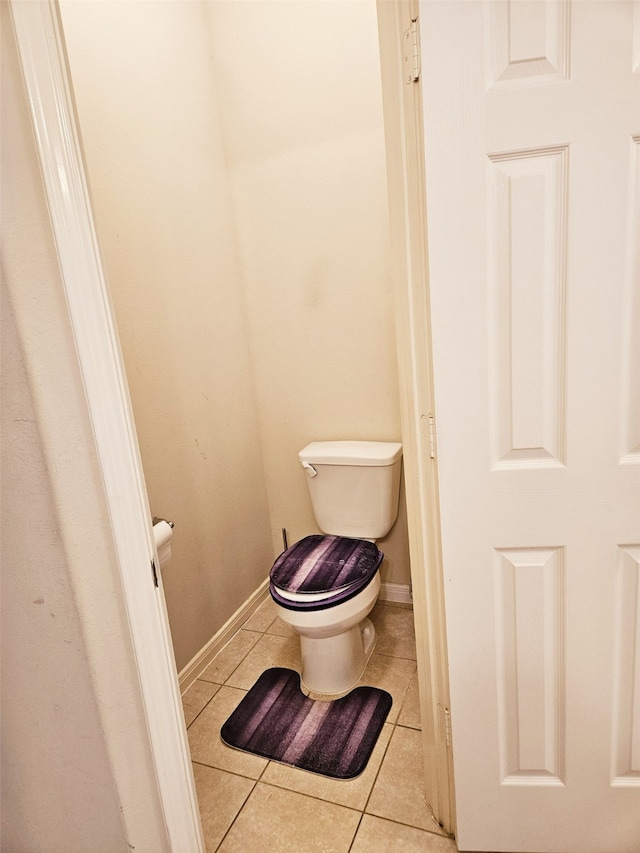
[(397, 592), (203, 658)]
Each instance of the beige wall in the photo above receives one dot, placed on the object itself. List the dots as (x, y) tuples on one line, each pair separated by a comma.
[(303, 128), (235, 154), (149, 119), (72, 721)]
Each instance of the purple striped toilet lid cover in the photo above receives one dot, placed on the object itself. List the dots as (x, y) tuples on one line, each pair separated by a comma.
[(318, 564)]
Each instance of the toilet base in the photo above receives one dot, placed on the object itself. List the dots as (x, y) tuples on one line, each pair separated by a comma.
[(333, 665)]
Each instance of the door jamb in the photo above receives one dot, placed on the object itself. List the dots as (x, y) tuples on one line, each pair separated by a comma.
[(40, 42), (404, 137)]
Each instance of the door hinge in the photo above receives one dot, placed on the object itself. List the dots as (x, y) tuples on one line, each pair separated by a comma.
[(155, 573), (432, 436), (447, 727), (411, 52)]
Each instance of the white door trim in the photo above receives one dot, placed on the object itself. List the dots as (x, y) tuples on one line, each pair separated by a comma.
[(405, 175), (42, 55)]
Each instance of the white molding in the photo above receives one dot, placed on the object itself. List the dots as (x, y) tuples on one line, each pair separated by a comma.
[(399, 593), (201, 660), (42, 55), (396, 592)]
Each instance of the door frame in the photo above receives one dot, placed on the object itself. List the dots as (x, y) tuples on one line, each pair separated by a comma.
[(40, 42), (404, 137), (41, 48)]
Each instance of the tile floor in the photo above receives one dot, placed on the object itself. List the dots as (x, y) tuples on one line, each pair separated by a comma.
[(250, 803)]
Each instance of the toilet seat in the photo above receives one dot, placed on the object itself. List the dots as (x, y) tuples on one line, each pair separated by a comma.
[(322, 571)]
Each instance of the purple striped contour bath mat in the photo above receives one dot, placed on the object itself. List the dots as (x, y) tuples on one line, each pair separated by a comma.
[(277, 721)]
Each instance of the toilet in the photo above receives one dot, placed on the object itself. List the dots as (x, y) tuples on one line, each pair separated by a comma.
[(325, 586)]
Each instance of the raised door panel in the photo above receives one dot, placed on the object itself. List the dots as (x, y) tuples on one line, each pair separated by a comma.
[(528, 42), (529, 589), (527, 276)]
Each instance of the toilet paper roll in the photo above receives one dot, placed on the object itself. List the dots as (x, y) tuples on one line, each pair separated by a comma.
[(162, 533)]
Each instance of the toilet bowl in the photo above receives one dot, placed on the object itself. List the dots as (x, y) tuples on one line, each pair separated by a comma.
[(325, 586)]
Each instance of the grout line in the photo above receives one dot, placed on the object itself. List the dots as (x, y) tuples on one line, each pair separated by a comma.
[(395, 657), (237, 814), (355, 834), (205, 704), (413, 826), (309, 796), (289, 791), (241, 628), (394, 726), (224, 770), (263, 771), (253, 647), (384, 755), (319, 799)]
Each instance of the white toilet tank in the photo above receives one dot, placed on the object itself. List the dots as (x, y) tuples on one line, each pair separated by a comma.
[(354, 486)]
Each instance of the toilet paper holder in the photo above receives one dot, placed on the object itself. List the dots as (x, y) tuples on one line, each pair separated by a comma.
[(162, 536)]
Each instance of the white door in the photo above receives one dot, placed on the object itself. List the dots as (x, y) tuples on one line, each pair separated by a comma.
[(532, 136)]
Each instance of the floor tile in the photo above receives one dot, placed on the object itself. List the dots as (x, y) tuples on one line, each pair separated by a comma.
[(266, 620), (284, 821), (220, 797), (263, 617), (230, 656), (395, 631), (352, 792), (399, 791), (282, 629), (205, 743), (385, 836), (410, 711), (248, 803), (196, 698), (269, 651), (392, 675)]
